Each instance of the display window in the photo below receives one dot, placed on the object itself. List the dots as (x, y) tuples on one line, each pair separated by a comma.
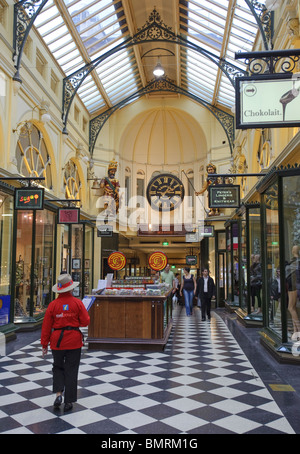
[(281, 265), (6, 233), (255, 265), (243, 281), (291, 229), (34, 262)]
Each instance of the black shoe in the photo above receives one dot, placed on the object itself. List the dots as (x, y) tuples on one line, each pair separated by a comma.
[(68, 407), (203, 319), (58, 401)]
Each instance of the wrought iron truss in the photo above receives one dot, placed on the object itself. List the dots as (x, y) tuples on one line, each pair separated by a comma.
[(270, 62), (26, 11), (153, 31), (162, 84)]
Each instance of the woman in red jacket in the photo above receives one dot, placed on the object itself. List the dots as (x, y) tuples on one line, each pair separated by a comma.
[(60, 328)]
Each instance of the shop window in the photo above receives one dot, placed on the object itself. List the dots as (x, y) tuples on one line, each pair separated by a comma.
[(291, 216), (34, 277), (32, 156), (255, 271), (6, 216), (273, 260)]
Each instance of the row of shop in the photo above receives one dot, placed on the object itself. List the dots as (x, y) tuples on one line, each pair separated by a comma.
[(263, 261), (254, 259), (35, 247)]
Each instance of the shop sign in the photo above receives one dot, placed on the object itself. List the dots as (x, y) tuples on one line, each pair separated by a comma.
[(29, 199), (224, 196), (191, 260), (68, 215), (158, 261), (268, 101), (104, 230), (207, 231), (116, 261)]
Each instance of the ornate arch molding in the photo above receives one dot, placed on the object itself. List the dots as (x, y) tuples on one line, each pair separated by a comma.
[(163, 84)]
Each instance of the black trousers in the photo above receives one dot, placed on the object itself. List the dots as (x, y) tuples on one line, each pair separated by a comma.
[(65, 372), (205, 305)]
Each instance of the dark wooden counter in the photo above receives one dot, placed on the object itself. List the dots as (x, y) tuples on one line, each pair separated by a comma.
[(130, 322)]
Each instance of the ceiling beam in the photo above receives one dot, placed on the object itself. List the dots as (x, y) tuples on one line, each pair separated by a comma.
[(228, 25), (77, 39)]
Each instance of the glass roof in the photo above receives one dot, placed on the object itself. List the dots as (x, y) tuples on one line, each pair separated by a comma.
[(79, 31)]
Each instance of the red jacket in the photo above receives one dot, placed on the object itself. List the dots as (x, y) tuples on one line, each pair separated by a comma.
[(66, 310)]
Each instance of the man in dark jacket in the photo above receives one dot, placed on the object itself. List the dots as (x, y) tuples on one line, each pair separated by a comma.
[(205, 290)]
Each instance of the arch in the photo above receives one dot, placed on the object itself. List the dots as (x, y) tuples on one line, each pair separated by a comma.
[(164, 84)]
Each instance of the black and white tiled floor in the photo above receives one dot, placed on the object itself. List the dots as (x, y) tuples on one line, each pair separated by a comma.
[(202, 383)]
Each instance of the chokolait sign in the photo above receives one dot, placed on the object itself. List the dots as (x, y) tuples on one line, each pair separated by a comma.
[(268, 101)]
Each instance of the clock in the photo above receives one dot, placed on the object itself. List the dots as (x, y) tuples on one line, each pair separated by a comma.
[(165, 192)]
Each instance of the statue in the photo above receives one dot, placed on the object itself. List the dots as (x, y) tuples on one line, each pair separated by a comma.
[(111, 187), (211, 170)]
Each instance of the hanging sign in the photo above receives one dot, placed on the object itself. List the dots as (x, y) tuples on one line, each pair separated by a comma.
[(68, 215), (104, 230), (268, 101), (158, 261), (116, 261), (207, 230), (224, 196), (191, 260), (29, 198)]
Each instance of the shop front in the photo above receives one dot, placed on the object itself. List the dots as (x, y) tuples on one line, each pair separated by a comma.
[(280, 192), (33, 266)]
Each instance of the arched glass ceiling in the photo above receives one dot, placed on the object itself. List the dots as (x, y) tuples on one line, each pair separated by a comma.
[(79, 31)]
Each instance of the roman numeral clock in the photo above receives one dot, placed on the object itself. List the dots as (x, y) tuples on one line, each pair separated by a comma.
[(165, 192)]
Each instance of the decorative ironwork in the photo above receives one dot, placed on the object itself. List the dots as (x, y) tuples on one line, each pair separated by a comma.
[(270, 62), (25, 13), (162, 84), (264, 19), (153, 30)]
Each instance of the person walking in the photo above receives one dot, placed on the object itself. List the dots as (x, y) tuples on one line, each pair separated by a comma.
[(60, 329), (188, 287), (205, 289)]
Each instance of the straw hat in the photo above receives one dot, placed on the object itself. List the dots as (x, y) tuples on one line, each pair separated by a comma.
[(64, 284)]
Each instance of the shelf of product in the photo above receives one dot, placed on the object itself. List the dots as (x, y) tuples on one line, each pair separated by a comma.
[(145, 289)]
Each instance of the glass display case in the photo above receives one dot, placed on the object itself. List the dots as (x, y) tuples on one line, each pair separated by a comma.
[(281, 261)]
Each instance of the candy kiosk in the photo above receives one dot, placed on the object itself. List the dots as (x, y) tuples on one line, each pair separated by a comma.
[(133, 313)]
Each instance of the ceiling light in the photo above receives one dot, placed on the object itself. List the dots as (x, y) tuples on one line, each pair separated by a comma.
[(158, 70)]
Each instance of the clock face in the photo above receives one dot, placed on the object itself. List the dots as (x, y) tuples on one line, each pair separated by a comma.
[(165, 192)]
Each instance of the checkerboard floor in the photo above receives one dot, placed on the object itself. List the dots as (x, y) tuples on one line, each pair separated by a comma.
[(202, 383)]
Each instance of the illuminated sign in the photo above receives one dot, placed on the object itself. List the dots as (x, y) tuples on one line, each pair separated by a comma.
[(268, 101), (224, 196), (68, 215), (29, 199)]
